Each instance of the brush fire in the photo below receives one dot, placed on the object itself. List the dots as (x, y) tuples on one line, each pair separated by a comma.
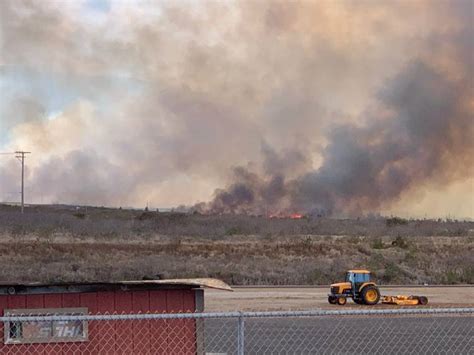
[(286, 216)]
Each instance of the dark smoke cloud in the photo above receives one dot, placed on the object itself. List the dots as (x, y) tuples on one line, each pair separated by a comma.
[(427, 135)]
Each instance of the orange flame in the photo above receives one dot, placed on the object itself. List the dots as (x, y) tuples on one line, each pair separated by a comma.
[(290, 216), (296, 216)]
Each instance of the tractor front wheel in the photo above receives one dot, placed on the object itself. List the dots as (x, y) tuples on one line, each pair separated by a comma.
[(341, 301), (422, 300), (370, 295), (332, 299)]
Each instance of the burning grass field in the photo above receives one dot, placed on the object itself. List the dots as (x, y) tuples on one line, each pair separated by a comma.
[(60, 243)]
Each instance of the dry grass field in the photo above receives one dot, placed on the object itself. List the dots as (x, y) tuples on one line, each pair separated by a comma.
[(60, 243)]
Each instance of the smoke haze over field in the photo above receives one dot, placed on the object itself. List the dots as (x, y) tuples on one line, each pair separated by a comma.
[(252, 107)]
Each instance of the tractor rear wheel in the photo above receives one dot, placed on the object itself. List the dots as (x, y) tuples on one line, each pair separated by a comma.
[(341, 301), (370, 295), (332, 299)]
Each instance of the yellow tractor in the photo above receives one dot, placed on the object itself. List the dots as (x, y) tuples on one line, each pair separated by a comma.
[(357, 286)]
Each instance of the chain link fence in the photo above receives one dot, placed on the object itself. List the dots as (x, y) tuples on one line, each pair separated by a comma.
[(387, 331)]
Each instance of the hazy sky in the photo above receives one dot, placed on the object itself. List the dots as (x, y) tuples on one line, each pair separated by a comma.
[(348, 106)]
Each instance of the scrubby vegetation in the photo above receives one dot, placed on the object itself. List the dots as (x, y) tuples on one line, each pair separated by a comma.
[(64, 244)]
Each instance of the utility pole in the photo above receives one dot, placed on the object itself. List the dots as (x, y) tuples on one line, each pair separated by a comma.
[(21, 156)]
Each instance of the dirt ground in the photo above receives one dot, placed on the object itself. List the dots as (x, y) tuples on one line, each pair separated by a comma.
[(281, 298)]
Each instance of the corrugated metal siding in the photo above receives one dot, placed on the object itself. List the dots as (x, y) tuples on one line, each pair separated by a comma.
[(142, 336)]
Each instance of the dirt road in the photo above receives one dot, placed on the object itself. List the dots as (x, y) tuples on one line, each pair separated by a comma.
[(273, 298)]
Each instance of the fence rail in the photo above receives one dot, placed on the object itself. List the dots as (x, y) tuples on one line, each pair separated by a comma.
[(388, 331)]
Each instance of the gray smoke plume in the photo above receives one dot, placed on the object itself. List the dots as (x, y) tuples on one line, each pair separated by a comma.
[(339, 107), (427, 134)]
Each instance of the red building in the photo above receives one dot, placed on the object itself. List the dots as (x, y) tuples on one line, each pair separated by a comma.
[(111, 336)]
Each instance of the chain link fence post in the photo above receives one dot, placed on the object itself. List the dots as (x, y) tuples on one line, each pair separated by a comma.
[(240, 334)]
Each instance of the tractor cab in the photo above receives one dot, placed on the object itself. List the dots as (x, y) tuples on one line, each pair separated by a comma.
[(358, 286), (358, 277)]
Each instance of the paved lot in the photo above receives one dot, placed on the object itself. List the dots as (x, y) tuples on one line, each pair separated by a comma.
[(349, 335), (270, 299)]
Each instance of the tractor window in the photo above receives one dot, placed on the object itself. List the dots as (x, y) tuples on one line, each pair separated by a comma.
[(362, 277), (349, 277)]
